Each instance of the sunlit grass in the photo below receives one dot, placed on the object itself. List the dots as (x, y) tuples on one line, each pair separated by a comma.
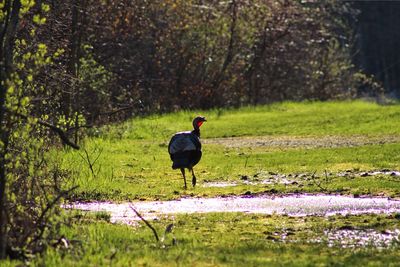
[(296, 119), (133, 163), (224, 239)]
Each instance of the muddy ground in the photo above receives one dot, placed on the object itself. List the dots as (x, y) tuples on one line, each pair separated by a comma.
[(301, 142)]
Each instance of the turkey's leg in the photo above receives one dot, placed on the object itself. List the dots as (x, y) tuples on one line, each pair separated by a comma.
[(193, 178), (184, 177)]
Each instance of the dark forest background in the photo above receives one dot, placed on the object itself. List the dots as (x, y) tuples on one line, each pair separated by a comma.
[(67, 66), (378, 42)]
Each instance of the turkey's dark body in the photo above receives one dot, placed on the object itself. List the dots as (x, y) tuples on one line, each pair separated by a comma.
[(185, 150)]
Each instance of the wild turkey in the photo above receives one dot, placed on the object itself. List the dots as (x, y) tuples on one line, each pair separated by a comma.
[(185, 149)]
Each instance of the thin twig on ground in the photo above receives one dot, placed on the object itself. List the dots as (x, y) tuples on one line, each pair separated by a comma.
[(89, 162), (146, 222), (318, 183)]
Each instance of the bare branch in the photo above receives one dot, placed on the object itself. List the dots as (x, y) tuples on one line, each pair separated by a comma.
[(55, 129), (89, 162), (49, 206), (60, 133), (146, 222)]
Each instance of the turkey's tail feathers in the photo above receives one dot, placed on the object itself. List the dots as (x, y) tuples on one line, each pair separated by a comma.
[(180, 163), (186, 159)]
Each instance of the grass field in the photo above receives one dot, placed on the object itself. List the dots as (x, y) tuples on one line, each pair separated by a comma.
[(234, 239), (133, 163), (130, 162)]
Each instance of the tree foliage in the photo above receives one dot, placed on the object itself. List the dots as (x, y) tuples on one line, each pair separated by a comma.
[(122, 58), (30, 186)]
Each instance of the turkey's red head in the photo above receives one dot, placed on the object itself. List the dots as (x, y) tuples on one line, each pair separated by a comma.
[(198, 121)]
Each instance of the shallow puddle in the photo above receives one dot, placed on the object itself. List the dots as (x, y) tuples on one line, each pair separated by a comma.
[(359, 238), (288, 179), (384, 172), (219, 184), (292, 205)]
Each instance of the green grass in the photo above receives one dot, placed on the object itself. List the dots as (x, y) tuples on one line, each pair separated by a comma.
[(219, 239), (293, 119), (133, 162)]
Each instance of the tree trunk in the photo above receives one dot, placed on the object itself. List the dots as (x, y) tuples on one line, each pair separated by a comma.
[(7, 39)]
